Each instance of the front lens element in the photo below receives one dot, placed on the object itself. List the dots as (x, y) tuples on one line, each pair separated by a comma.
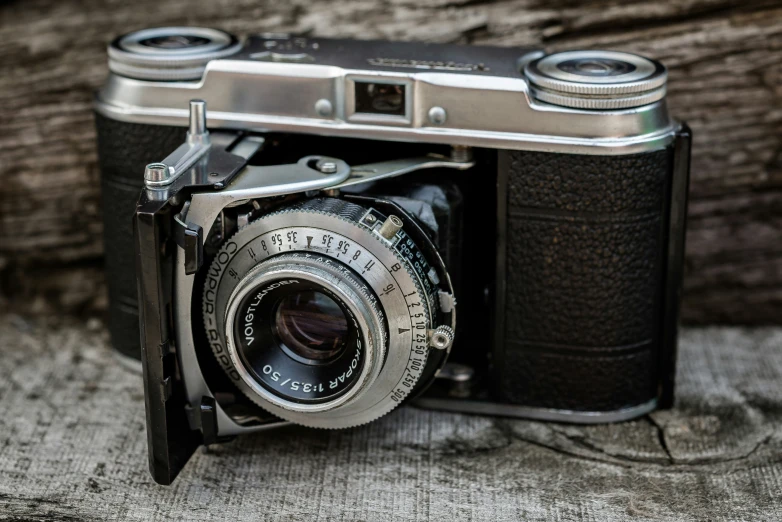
[(312, 326), (297, 336)]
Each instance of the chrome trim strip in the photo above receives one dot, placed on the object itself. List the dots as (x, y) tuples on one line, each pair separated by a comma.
[(527, 412), (484, 139)]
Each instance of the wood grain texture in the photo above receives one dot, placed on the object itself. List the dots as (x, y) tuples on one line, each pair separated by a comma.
[(725, 60), (73, 447)]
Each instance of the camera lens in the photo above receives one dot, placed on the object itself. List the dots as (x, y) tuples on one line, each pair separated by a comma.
[(317, 318), (312, 326)]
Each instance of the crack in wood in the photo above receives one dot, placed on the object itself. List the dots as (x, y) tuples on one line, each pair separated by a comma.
[(660, 437)]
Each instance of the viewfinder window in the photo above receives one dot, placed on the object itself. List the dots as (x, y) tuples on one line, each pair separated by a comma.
[(380, 98)]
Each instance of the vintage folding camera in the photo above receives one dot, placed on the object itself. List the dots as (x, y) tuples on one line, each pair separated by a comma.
[(314, 214)]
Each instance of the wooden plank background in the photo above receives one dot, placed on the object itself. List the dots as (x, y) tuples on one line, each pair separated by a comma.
[(73, 447), (725, 60)]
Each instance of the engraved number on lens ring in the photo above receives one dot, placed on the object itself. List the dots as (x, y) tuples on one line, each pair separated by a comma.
[(396, 282)]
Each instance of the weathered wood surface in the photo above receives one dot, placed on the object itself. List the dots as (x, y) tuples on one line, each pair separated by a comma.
[(73, 447), (725, 58)]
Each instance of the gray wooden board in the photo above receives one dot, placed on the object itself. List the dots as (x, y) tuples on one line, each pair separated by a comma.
[(724, 56), (73, 447)]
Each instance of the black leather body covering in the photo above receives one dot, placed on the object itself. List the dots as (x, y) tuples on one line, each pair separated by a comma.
[(124, 149), (584, 248)]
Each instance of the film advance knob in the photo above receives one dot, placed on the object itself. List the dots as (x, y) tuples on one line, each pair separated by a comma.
[(596, 79), (169, 53)]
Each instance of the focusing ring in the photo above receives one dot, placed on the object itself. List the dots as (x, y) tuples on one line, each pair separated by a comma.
[(169, 53), (596, 79)]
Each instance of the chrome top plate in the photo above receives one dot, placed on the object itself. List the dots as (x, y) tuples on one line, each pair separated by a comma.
[(282, 84)]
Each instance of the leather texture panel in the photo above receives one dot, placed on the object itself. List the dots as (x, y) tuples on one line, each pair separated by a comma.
[(584, 271), (124, 149)]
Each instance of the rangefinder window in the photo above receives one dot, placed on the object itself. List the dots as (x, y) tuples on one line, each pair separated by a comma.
[(380, 98)]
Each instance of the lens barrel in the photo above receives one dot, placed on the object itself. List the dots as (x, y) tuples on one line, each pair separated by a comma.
[(323, 317)]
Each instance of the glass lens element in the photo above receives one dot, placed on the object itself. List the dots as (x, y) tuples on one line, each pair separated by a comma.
[(311, 325)]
